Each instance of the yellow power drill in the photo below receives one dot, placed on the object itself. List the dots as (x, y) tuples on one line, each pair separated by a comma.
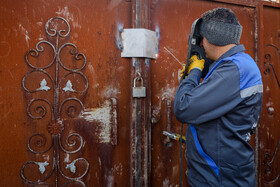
[(174, 136)]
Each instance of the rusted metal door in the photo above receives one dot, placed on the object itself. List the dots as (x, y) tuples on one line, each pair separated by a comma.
[(64, 101), (174, 20), (67, 113), (269, 144)]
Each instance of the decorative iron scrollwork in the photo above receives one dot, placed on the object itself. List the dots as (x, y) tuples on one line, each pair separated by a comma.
[(268, 163), (268, 65), (56, 83)]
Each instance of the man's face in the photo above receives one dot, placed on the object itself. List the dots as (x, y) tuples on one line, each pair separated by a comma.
[(208, 47)]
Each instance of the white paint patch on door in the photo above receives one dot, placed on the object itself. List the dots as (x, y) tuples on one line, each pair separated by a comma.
[(103, 115), (168, 92)]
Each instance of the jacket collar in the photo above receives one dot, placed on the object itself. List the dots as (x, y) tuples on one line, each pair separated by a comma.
[(232, 51)]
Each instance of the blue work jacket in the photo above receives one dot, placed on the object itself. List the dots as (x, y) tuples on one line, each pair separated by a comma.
[(221, 113)]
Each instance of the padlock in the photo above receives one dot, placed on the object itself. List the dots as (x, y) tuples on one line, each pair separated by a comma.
[(138, 91)]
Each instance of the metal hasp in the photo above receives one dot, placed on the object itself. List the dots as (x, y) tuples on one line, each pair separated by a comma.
[(139, 42)]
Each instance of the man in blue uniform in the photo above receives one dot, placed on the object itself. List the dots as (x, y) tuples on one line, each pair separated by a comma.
[(223, 110)]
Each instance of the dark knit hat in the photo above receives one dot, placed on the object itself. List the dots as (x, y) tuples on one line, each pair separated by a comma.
[(221, 27)]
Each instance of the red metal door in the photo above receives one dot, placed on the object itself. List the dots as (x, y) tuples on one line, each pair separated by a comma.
[(63, 101), (174, 20), (269, 145), (67, 114)]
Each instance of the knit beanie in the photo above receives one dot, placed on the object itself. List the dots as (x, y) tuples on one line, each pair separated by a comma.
[(221, 27)]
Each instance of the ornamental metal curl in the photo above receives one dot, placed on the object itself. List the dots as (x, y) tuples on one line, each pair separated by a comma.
[(268, 163), (40, 141), (51, 23), (268, 65), (40, 110), (72, 142), (35, 53), (71, 110), (35, 182), (76, 54), (54, 73), (74, 181)]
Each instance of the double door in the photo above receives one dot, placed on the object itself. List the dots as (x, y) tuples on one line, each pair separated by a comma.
[(68, 115)]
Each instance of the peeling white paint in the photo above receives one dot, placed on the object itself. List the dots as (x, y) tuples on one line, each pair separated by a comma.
[(68, 87), (41, 37), (168, 92), (42, 165), (27, 40), (91, 69), (267, 132), (39, 23), (43, 86), (102, 115), (118, 169), (64, 12), (110, 180), (165, 183), (111, 91), (46, 157), (67, 159), (25, 33)]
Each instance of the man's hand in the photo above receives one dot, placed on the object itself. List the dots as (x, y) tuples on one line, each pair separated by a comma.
[(195, 63), (183, 71)]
